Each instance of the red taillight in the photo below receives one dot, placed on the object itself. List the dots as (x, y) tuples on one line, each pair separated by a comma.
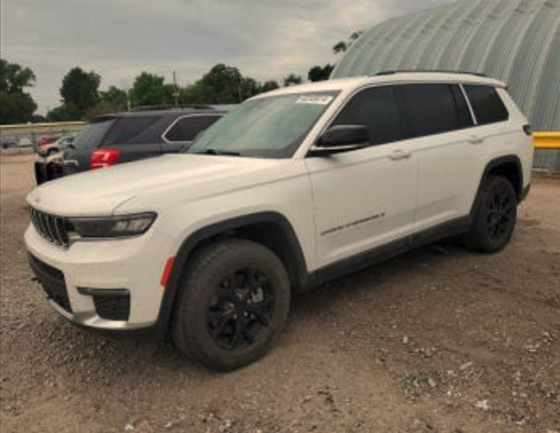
[(103, 158)]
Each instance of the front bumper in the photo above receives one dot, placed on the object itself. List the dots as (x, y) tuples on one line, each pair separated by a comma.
[(109, 284)]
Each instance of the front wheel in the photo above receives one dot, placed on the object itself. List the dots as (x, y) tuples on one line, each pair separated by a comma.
[(235, 297), (495, 216)]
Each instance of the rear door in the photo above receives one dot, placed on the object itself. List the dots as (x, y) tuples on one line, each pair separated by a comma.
[(184, 130), (447, 152)]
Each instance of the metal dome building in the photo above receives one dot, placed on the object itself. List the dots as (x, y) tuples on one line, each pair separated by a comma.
[(516, 41)]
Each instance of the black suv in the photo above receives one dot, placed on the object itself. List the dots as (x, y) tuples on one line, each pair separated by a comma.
[(130, 136)]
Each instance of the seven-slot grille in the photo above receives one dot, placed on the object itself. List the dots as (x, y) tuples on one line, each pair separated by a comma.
[(52, 228)]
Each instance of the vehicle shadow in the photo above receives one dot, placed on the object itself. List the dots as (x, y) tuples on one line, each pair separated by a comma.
[(110, 354)]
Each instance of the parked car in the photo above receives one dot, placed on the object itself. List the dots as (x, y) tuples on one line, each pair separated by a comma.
[(59, 145), (8, 141), (25, 142), (292, 188), (130, 136), (12, 141), (45, 140)]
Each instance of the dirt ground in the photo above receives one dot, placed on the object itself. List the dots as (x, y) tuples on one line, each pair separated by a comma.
[(439, 340)]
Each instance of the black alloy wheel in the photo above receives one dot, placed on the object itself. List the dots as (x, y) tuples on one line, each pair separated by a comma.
[(500, 213), (495, 216), (234, 299), (241, 308)]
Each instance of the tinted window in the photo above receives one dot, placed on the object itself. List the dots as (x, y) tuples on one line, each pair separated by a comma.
[(376, 108), (465, 117), (92, 135), (128, 129), (187, 128), (432, 109), (487, 104)]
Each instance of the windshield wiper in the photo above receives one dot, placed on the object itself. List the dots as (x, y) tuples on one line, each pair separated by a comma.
[(213, 151)]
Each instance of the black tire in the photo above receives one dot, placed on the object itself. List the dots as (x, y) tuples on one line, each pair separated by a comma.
[(495, 216), (234, 299)]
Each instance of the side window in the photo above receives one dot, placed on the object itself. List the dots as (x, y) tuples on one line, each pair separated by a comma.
[(187, 128), (434, 109), (487, 104), (129, 129), (465, 117), (376, 108)]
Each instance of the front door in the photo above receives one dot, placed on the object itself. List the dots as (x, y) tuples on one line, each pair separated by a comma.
[(365, 198)]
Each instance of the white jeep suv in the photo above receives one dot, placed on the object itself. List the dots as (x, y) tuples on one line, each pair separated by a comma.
[(292, 188)]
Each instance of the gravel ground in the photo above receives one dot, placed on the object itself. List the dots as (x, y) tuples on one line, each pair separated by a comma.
[(439, 340)]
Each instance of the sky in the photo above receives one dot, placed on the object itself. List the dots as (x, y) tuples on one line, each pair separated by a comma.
[(119, 39)]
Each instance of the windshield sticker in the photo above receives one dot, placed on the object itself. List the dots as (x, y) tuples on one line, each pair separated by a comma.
[(314, 99)]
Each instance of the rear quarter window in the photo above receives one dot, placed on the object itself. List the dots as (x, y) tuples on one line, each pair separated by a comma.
[(131, 130), (187, 128), (93, 134), (487, 105)]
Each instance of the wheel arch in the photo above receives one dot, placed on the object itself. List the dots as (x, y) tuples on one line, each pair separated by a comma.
[(508, 166), (271, 229)]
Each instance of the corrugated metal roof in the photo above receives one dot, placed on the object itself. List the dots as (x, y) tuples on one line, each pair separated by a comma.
[(515, 41)]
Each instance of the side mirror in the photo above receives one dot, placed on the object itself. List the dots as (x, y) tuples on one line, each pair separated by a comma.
[(344, 137)]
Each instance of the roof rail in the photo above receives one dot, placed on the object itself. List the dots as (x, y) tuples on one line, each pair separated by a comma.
[(170, 107), (405, 71)]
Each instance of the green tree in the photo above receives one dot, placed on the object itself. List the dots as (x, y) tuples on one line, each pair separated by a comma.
[(16, 106), (113, 100), (114, 95), (150, 89), (79, 92), (62, 113), (268, 86), (292, 80), (342, 46), (38, 118), (318, 73), (226, 83), (249, 88), (197, 93), (221, 85)]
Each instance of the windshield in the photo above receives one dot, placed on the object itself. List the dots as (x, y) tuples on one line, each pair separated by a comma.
[(272, 127)]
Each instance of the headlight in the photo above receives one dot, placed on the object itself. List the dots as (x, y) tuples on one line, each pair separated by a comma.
[(112, 227)]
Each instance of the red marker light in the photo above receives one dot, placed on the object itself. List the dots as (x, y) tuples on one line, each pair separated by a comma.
[(167, 272)]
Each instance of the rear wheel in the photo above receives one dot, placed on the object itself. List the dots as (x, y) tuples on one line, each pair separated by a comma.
[(495, 216), (234, 300)]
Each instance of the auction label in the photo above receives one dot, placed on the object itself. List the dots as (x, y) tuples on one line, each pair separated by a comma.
[(314, 99)]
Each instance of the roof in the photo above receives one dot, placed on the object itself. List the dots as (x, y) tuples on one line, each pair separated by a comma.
[(515, 41), (161, 112), (392, 77)]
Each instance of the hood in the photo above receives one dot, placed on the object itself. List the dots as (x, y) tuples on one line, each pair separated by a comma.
[(186, 176)]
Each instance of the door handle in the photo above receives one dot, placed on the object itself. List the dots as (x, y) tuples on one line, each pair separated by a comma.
[(399, 154), (475, 140)]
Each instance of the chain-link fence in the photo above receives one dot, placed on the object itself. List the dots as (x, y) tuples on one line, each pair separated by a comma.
[(26, 137)]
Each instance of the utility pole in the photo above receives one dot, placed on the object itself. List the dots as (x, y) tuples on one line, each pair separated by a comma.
[(175, 89)]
